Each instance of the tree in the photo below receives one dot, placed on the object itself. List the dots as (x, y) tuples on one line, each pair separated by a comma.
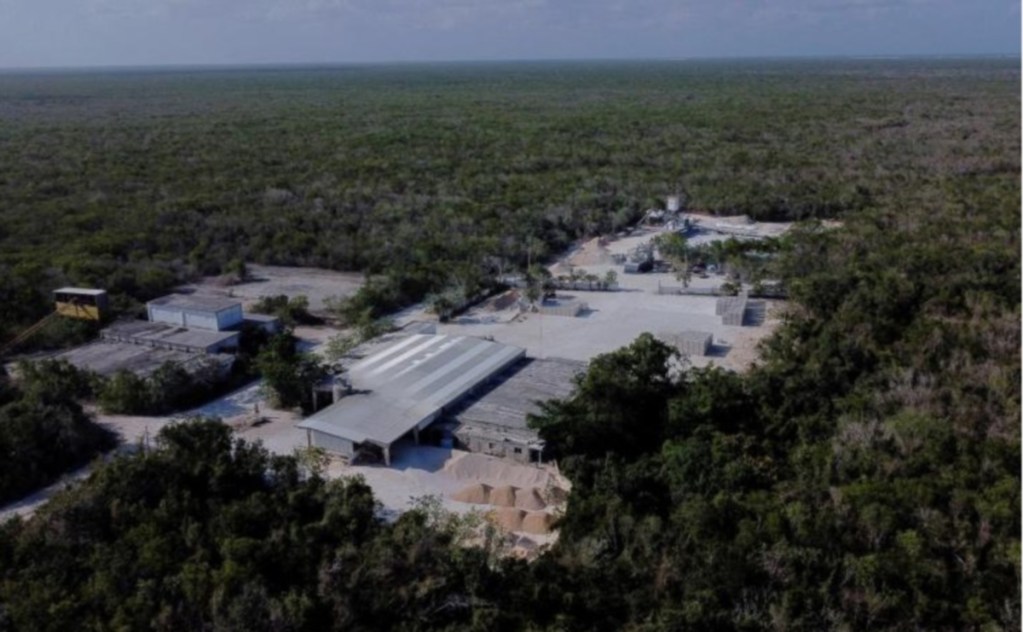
[(125, 393), (289, 376), (291, 311), (610, 279), (538, 283), (338, 346), (619, 406), (50, 378), (43, 434), (675, 250), (237, 268)]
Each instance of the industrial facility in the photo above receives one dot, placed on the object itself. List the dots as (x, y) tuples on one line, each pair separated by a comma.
[(196, 332), (402, 389)]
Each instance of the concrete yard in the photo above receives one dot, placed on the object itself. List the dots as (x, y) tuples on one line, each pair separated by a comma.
[(615, 319)]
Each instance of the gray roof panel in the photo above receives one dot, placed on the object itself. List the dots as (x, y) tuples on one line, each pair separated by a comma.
[(196, 302), (408, 383)]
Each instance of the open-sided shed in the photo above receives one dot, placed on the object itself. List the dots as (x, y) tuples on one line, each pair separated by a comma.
[(403, 388)]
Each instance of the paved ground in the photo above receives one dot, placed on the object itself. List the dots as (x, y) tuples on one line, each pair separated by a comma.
[(615, 319)]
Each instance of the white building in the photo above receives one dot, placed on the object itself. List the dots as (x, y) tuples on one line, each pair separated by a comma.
[(212, 313)]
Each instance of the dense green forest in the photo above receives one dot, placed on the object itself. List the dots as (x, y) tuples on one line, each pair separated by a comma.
[(865, 474), (43, 430), (135, 180)]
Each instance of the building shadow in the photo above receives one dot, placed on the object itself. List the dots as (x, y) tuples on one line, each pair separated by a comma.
[(755, 314), (406, 455), (718, 351)]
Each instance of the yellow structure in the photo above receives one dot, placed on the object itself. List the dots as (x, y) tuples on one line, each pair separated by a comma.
[(83, 303)]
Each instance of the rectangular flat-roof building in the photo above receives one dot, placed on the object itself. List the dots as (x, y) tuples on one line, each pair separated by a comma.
[(164, 336), (403, 388), (107, 357), (212, 313)]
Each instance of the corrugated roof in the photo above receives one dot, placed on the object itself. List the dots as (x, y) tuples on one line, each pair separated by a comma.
[(408, 383), (521, 388), (90, 291)]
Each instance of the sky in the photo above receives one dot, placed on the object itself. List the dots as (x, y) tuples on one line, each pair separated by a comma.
[(73, 33)]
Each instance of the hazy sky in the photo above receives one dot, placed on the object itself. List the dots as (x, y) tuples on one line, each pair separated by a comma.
[(144, 32)]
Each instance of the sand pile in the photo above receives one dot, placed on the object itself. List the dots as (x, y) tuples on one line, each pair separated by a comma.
[(503, 496), (508, 518), (537, 522), (494, 471), (477, 493), (529, 498), (555, 495)]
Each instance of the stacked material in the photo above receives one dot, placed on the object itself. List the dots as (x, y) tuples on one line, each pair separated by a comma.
[(482, 468), (508, 518), (528, 498), (537, 522), (519, 496), (732, 310), (503, 496), (477, 493), (693, 343), (511, 519)]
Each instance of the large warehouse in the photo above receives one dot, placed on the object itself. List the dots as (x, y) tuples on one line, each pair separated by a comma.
[(403, 388)]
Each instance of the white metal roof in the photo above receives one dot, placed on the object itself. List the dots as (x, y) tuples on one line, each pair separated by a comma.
[(90, 291), (408, 383)]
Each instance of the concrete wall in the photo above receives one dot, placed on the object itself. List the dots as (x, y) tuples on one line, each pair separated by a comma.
[(333, 444), (196, 319), (503, 449), (229, 343), (230, 318), (201, 320), (167, 315)]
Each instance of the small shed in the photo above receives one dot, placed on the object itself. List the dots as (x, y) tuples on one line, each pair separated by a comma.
[(80, 302)]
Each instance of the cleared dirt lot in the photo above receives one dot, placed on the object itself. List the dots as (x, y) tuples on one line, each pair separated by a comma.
[(314, 283)]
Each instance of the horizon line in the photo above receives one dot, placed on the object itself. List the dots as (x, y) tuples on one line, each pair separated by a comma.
[(170, 66)]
